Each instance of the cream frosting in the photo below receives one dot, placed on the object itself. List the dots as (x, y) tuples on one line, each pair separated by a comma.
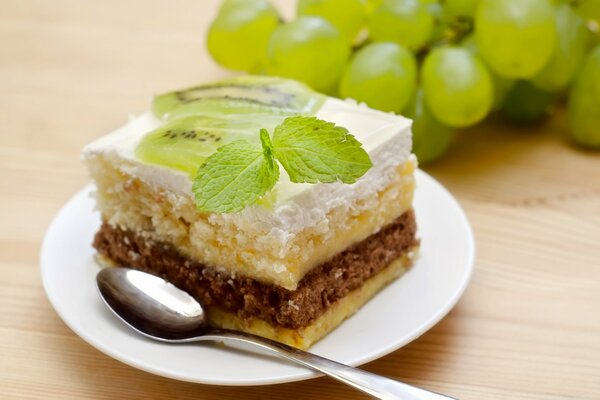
[(386, 137)]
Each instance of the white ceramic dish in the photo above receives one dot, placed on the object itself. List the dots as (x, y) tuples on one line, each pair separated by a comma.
[(399, 314)]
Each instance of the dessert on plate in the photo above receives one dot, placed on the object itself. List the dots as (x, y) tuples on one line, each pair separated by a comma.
[(294, 264)]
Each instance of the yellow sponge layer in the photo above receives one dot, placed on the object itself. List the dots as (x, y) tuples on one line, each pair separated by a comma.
[(243, 245)]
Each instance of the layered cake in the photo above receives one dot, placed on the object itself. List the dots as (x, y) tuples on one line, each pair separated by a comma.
[(293, 265)]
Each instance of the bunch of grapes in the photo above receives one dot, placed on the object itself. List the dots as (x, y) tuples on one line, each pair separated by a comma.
[(446, 64)]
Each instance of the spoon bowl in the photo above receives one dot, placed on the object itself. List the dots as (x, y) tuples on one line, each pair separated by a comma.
[(159, 310), (150, 305)]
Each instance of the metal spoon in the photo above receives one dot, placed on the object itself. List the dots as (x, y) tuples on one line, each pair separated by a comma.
[(160, 311)]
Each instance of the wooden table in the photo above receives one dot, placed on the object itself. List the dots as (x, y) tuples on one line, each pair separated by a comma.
[(528, 326)]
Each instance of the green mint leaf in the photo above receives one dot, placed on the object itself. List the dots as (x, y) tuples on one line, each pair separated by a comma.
[(312, 150), (235, 176)]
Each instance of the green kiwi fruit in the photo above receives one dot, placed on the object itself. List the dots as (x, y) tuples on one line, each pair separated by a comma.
[(237, 96), (201, 119), (185, 143)]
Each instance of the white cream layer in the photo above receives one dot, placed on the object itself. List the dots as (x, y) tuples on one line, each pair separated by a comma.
[(386, 137)]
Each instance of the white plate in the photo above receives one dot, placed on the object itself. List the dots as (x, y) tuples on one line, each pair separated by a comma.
[(399, 314)]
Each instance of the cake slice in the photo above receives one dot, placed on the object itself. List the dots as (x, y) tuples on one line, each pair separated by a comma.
[(290, 267)]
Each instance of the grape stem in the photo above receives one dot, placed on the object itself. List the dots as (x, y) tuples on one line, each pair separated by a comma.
[(452, 32)]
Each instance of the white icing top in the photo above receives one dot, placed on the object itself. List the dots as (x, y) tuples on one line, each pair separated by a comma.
[(386, 137)]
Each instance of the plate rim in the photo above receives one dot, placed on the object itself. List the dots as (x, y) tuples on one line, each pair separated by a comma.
[(391, 346)]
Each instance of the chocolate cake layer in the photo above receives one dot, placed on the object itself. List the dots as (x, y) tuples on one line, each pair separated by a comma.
[(249, 298)]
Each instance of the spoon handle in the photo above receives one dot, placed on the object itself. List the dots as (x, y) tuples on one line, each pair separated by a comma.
[(375, 385)]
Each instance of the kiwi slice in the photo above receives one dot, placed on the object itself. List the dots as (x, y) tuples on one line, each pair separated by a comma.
[(258, 95), (185, 143), (201, 119)]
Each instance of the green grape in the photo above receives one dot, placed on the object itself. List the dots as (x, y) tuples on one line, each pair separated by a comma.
[(383, 75), (310, 50), (589, 10), (501, 88), (501, 85), (457, 86), (371, 5), (436, 10), (348, 16), (238, 36), (465, 8), (584, 102), (405, 22), (526, 103), (571, 47), (516, 37), (431, 138)]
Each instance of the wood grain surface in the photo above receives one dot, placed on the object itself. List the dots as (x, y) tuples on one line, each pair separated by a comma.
[(528, 326)]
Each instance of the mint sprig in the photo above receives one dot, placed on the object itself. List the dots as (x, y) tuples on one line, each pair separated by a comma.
[(310, 150)]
